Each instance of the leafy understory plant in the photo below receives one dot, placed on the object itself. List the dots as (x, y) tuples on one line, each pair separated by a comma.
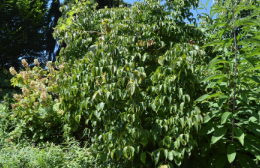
[(232, 124), (37, 109)]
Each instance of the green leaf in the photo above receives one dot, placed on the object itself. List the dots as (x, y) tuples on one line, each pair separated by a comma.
[(251, 61), (130, 87), (214, 43), (231, 153), (221, 100), (220, 161), (128, 151), (240, 135), (170, 155), (68, 21), (214, 62), (225, 116), (254, 78), (207, 129), (143, 157), (132, 151), (208, 117), (161, 60), (125, 152), (207, 3), (156, 156), (214, 76), (218, 134), (118, 153), (112, 153), (166, 153), (254, 127), (167, 141), (208, 96), (246, 161)]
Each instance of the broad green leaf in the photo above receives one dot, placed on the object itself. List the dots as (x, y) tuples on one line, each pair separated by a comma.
[(240, 135), (254, 127), (225, 116), (231, 153), (170, 155), (208, 117), (207, 129), (130, 87), (118, 154), (218, 134), (68, 21), (128, 151), (246, 161), (125, 152), (156, 155), (63, 27), (220, 161), (112, 153), (165, 153), (161, 60), (167, 141), (143, 157), (221, 100), (132, 151), (251, 146)]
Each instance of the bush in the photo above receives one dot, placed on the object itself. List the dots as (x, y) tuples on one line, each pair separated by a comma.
[(128, 79), (36, 110)]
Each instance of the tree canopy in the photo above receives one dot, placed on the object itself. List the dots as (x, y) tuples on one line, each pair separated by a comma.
[(21, 30)]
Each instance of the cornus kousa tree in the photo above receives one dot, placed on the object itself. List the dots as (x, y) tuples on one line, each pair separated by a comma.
[(128, 81)]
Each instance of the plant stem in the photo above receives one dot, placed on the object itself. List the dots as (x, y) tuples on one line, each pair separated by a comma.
[(235, 82)]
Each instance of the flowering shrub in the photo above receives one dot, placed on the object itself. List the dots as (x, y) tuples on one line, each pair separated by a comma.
[(37, 109)]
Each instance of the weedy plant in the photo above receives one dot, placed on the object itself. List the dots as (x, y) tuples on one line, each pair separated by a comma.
[(68, 155)]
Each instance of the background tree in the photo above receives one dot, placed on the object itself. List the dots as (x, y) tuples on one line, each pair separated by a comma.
[(21, 31), (53, 16)]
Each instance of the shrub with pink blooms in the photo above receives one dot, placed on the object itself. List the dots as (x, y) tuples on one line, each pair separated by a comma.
[(36, 111)]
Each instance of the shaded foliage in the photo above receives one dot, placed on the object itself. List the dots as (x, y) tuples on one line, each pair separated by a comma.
[(21, 31)]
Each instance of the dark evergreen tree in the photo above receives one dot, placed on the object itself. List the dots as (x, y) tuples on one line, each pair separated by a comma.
[(52, 18), (21, 31)]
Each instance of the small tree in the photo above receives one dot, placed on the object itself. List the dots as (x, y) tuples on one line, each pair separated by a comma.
[(129, 82), (232, 119)]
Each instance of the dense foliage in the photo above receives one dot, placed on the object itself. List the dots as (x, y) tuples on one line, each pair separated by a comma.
[(232, 123), (37, 108), (139, 87), (129, 88), (21, 26)]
